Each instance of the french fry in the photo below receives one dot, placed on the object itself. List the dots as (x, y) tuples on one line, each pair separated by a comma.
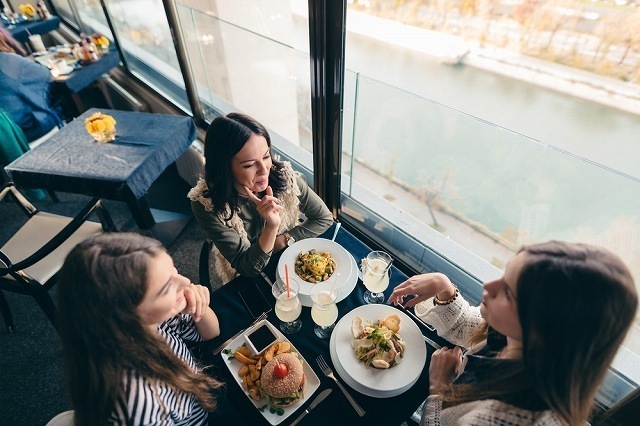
[(244, 359)]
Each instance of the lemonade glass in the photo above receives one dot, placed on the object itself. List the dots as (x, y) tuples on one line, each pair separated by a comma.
[(288, 306), (324, 310), (375, 276)]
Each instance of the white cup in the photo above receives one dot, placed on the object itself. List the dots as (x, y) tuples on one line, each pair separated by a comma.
[(36, 43)]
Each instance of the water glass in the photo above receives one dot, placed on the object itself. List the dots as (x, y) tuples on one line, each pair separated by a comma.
[(288, 306), (324, 310), (375, 275)]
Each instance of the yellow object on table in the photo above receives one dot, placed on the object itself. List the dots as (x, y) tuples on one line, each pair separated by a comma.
[(102, 127), (28, 10)]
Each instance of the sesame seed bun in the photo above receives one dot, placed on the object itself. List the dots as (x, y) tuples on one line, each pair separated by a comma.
[(293, 383)]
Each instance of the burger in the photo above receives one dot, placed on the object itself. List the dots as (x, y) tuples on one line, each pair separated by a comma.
[(283, 381)]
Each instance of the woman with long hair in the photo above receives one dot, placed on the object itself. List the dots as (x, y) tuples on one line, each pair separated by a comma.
[(125, 314), (537, 347), (248, 202)]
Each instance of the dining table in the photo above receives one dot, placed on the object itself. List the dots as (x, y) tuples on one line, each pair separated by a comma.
[(23, 28), (83, 75), (123, 170), (335, 409)]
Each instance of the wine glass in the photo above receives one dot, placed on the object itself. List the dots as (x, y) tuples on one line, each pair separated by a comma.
[(288, 306), (324, 310), (375, 275)]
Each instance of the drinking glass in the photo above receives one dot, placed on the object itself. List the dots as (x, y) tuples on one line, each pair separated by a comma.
[(375, 276), (324, 310), (288, 305)]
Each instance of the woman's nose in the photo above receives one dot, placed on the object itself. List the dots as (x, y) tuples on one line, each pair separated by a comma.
[(263, 169), (490, 286)]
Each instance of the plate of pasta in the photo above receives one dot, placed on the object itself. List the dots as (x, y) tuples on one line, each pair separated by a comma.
[(315, 260)]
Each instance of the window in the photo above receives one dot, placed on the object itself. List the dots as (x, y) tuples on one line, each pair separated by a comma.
[(473, 128), (253, 57), (63, 8), (147, 46), (92, 19)]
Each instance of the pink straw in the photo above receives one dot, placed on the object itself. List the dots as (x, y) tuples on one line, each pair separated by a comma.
[(286, 277)]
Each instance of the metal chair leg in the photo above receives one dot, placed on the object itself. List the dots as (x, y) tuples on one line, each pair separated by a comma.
[(203, 269), (46, 304), (6, 313)]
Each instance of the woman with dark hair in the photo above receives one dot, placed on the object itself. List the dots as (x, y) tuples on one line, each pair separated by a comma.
[(24, 92), (538, 346), (249, 203), (124, 317)]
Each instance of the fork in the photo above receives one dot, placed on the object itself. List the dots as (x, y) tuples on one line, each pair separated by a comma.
[(326, 370)]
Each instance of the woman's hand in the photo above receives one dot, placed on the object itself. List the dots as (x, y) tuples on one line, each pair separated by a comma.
[(198, 298), (268, 207), (445, 366), (423, 287)]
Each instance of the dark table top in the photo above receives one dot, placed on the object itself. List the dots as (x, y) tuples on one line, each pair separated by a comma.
[(335, 409), (88, 72), (21, 30), (72, 161)]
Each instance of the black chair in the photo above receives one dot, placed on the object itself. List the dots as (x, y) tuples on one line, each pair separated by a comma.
[(31, 259), (203, 264)]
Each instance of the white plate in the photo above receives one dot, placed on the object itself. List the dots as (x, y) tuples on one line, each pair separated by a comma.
[(312, 379), (371, 381), (345, 265)]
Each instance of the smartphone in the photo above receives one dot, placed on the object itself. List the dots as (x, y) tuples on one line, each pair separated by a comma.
[(254, 300)]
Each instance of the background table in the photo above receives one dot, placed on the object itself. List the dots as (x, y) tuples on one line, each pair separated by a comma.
[(335, 409), (85, 75), (71, 161), (21, 30)]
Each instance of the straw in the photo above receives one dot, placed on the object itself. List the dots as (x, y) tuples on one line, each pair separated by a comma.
[(335, 281), (286, 277)]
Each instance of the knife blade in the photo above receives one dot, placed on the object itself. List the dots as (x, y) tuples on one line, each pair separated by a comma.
[(325, 393), (217, 350), (266, 278)]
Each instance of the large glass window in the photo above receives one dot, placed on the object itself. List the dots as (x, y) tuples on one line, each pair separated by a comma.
[(472, 128), (63, 8), (253, 57), (92, 19), (145, 40)]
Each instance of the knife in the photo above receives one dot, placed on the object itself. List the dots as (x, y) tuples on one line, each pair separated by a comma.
[(217, 350), (266, 278), (325, 393)]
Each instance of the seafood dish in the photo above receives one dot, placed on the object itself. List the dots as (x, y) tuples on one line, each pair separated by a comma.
[(314, 266), (378, 344)]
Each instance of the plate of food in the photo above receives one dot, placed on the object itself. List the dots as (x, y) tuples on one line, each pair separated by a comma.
[(314, 260), (378, 350), (278, 380)]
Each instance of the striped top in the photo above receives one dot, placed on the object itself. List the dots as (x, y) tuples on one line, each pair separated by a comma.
[(154, 403)]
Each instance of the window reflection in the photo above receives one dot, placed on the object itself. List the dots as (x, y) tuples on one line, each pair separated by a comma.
[(147, 46), (92, 19), (247, 56)]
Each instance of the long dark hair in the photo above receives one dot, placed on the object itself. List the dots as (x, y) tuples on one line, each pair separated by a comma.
[(225, 138), (102, 282), (575, 303)]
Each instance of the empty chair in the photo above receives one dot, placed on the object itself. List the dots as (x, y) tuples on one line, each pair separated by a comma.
[(30, 260)]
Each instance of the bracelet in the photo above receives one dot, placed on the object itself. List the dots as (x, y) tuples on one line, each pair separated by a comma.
[(437, 301)]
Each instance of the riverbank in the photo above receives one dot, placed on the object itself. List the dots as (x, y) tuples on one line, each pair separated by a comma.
[(454, 50)]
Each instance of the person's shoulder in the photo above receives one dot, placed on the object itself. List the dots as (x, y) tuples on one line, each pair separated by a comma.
[(491, 411)]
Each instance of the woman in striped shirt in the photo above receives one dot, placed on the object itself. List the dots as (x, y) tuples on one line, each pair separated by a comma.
[(125, 314)]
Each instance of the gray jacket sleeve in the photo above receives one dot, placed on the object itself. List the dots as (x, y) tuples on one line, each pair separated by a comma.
[(317, 214), (247, 259)]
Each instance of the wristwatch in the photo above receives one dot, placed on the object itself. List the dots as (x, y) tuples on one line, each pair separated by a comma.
[(289, 238)]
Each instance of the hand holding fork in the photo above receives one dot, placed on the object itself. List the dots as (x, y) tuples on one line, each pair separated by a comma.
[(326, 370)]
